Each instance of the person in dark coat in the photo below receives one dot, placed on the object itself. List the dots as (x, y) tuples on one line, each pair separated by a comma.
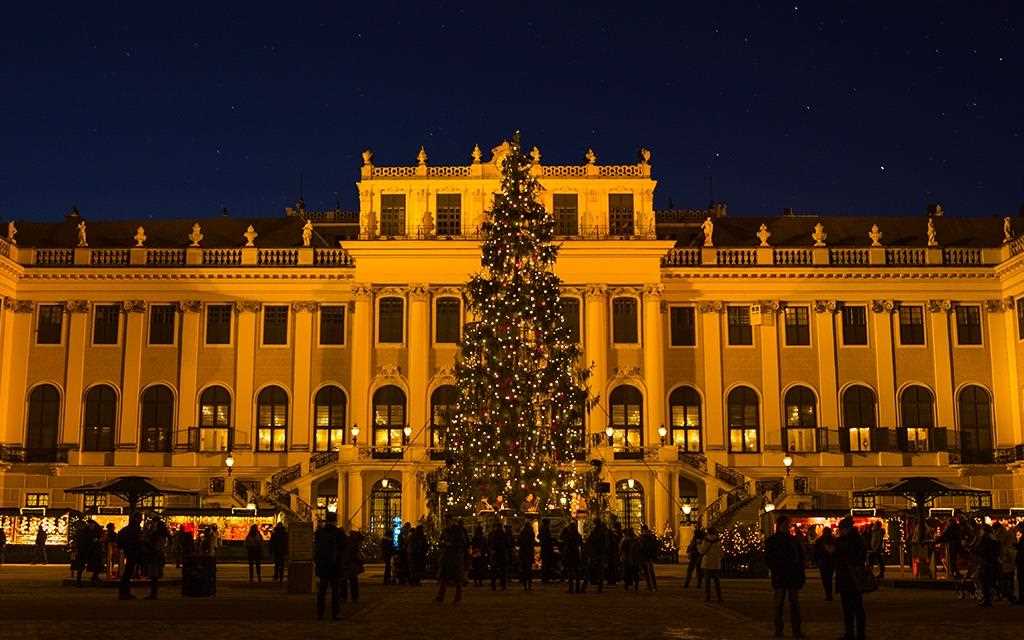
[(129, 540), (351, 564), (952, 537), (387, 555), (784, 555), (454, 543), (478, 555), (629, 552), (154, 540), (418, 555), (279, 550), (87, 541), (597, 550), (824, 557), (527, 542), (40, 546), (987, 551), (498, 550), (693, 558), (613, 562), (851, 555), (570, 544), (547, 551), (402, 556), (254, 553), (327, 560), (1019, 546), (648, 554), (184, 546)]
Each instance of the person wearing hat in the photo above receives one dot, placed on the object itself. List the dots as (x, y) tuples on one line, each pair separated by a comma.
[(851, 554)]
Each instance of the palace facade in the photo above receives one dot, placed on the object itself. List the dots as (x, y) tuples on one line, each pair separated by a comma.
[(314, 352)]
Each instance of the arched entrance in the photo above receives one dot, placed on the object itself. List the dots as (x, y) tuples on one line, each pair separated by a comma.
[(629, 504), (385, 506)]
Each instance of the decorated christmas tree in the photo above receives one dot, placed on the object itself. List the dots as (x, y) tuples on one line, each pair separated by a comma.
[(522, 392)]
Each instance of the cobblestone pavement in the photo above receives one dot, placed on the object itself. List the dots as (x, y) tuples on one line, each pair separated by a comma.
[(34, 604)]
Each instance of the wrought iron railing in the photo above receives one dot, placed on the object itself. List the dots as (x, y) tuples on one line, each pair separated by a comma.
[(15, 454), (286, 475), (320, 459), (729, 475), (696, 460), (722, 506)]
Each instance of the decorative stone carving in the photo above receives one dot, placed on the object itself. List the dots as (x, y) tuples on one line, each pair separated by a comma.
[(995, 305), (250, 236), (626, 372), (825, 306), (247, 305), (140, 237), (194, 306), (819, 236), (476, 154), (427, 224), (773, 306), (623, 291), (389, 371), (879, 306), (419, 291), (18, 306), (76, 306), (83, 241), (590, 156), (595, 290), (708, 227), (134, 306), (307, 234), (445, 373), (305, 306), (421, 157), (716, 306), (535, 155), (362, 291), (938, 306), (876, 236), (196, 236), (398, 292), (654, 290), (367, 158), (932, 240), (645, 155), (11, 232), (1007, 229), (763, 234)]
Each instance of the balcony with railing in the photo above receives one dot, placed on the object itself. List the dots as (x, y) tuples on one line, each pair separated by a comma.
[(23, 455)]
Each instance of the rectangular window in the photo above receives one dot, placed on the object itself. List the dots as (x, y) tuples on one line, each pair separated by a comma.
[(798, 326), (911, 325), (50, 324), (448, 320), (1020, 318), (92, 502), (620, 214), (218, 324), (625, 321), (106, 318), (682, 326), (332, 325), (740, 333), (275, 325), (449, 214), (968, 325), (571, 313), (566, 212), (855, 326), (392, 214), (37, 499), (161, 323), (390, 321)]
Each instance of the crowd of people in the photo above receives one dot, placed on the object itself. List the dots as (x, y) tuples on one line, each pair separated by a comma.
[(338, 561)]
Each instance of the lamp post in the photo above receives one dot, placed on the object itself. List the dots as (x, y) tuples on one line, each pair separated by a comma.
[(787, 461), (610, 432), (229, 462), (355, 433), (406, 434), (662, 432)]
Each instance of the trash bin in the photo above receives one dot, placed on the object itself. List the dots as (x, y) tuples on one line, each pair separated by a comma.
[(199, 576)]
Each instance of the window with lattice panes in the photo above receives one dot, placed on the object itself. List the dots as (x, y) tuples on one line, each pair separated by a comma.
[(37, 500), (449, 214), (620, 214), (271, 419), (625, 320), (566, 212), (392, 214)]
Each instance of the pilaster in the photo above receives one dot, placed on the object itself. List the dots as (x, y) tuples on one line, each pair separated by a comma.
[(711, 332), (771, 391), (190, 316), (654, 366), (419, 359), (1014, 431), (828, 379), (410, 496), (355, 515), (595, 349), (302, 346), (16, 322), (942, 360), (885, 368), (245, 360), (78, 332), (1007, 429), (135, 314), (662, 502), (362, 351)]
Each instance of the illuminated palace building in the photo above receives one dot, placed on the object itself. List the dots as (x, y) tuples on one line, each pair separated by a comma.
[(315, 350)]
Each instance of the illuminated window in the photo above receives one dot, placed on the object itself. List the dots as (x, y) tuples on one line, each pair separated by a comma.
[(801, 420), (330, 406), (388, 418), (917, 417), (566, 212), (627, 417), (271, 419), (106, 319), (100, 419), (385, 507), (392, 214), (859, 419), (744, 420), (738, 319), (629, 504), (37, 500), (93, 501), (442, 406), (50, 324), (214, 420), (685, 414)]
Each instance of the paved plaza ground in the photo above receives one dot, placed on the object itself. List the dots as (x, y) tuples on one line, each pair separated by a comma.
[(34, 604)]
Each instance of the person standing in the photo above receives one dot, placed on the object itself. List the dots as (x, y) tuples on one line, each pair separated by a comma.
[(693, 558), (279, 550), (1019, 562), (613, 562), (453, 544), (418, 551), (154, 540), (547, 551), (597, 551), (498, 550), (987, 551), (403, 553), (952, 537), (527, 542), (850, 556), (3, 546), (711, 563), (110, 552), (784, 555), (629, 551), (876, 548), (40, 546), (129, 540), (254, 553), (824, 557), (351, 564), (648, 554), (478, 555), (570, 543), (387, 555), (326, 552)]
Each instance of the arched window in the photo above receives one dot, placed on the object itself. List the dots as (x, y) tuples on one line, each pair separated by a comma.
[(386, 507), (442, 405), (629, 504), (917, 417), (214, 420), (329, 409), (272, 420), (859, 419), (157, 419), (43, 423), (627, 417), (975, 409), (801, 420), (744, 420), (685, 417), (388, 420), (100, 418)]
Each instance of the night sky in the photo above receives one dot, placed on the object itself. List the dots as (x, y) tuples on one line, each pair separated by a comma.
[(177, 110)]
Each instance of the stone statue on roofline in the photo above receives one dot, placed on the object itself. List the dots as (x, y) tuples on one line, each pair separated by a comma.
[(819, 236), (367, 158), (82, 240), (11, 232), (307, 234), (876, 236), (708, 227), (196, 236), (763, 234), (140, 237), (1007, 229), (932, 240)]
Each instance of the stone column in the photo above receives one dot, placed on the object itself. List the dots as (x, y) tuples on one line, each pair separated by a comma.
[(302, 348), (882, 311), (410, 496), (362, 358), (245, 360), (595, 349), (17, 335), (771, 388), (711, 332), (654, 365), (419, 361), (355, 515), (662, 502), (134, 342), (342, 496), (828, 385), (78, 338), (942, 359), (190, 314)]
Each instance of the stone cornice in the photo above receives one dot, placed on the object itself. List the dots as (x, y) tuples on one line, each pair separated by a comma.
[(823, 275), (19, 306), (147, 275)]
